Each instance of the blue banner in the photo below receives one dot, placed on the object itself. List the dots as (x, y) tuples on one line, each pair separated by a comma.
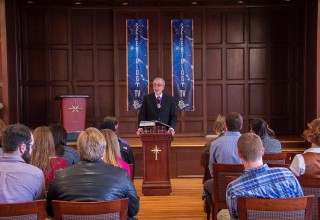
[(137, 62), (182, 64)]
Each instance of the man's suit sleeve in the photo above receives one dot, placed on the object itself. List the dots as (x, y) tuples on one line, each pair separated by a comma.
[(172, 116), (143, 111)]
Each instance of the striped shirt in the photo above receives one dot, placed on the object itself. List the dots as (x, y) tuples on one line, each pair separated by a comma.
[(262, 182)]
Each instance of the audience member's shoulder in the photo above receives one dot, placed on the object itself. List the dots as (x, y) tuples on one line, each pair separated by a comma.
[(124, 146), (32, 169)]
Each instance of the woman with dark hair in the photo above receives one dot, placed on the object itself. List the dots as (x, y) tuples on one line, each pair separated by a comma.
[(70, 154), (270, 143)]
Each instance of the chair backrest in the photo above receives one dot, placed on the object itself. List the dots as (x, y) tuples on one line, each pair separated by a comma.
[(285, 165), (220, 171), (107, 210), (206, 174), (296, 208), (33, 210), (229, 179), (311, 186), (279, 158), (47, 185), (131, 171)]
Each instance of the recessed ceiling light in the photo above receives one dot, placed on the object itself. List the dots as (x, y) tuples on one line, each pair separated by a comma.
[(240, 2), (78, 3), (194, 3), (30, 2), (125, 3)]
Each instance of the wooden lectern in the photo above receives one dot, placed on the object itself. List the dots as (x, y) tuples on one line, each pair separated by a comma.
[(156, 143), (73, 114)]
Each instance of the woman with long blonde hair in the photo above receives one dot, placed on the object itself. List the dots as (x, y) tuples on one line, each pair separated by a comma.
[(43, 154), (112, 154)]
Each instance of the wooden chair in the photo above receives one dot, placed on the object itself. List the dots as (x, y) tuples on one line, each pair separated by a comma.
[(131, 171), (107, 210), (296, 208), (33, 210), (311, 186), (279, 158), (279, 165), (206, 176), (47, 185), (220, 171), (229, 179)]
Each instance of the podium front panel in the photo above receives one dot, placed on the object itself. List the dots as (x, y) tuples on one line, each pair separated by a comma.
[(73, 113), (156, 172)]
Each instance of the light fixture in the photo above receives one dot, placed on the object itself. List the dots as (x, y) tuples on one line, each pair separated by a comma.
[(125, 3), (78, 3), (240, 2), (30, 2), (194, 3)]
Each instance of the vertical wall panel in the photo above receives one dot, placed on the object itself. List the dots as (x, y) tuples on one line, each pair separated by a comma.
[(214, 64), (235, 64), (213, 26), (36, 65), (82, 30), (279, 99), (83, 65), (58, 27), (104, 28), (105, 65), (258, 25), (235, 27), (257, 63), (59, 67), (258, 103), (214, 102), (235, 99)]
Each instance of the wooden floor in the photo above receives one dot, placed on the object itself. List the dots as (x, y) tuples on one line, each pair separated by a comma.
[(184, 203)]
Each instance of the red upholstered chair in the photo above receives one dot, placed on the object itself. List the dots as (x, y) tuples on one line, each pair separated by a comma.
[(107, 210), (298, 208), (34, 210)]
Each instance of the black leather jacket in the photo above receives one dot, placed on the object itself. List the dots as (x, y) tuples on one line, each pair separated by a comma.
[(93, 181)]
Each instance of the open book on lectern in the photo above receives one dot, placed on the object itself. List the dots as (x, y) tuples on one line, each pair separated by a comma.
[(153, 123)]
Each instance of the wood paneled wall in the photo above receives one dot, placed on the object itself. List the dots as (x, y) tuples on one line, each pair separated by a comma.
[(246, 59)]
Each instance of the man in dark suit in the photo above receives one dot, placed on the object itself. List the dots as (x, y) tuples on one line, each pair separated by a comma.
[(158, 106)]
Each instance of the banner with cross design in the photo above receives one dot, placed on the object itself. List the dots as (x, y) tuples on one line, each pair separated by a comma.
[(182, 63), (137, 62)]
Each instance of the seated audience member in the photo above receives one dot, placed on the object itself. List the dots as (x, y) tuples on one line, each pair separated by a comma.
[(2, 127), (115, 121), (219, 128), (44, 155), (224, 149), (70, 154), (112, 154), (270, 143), (92, 179), (308, 163), (125, 150), (19, 181), (258, 180)]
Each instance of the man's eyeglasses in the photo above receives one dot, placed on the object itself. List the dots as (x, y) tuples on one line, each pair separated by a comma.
[(157, 85)]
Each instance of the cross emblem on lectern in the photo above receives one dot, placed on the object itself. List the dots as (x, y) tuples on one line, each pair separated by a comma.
[(75, 109), (156, 151)]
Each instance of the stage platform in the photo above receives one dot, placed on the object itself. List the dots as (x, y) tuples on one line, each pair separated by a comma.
[(186, 152)]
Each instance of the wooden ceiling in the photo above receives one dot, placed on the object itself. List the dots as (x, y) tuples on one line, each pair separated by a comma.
[(153, 3)]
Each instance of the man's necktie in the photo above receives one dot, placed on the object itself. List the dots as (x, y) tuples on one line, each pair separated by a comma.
[(158, 102)]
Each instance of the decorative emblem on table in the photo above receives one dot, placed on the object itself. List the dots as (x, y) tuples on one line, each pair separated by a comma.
[(75, 109), (156, 151)]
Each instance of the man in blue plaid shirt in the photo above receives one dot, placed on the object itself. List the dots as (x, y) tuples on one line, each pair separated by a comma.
[(258, 180)]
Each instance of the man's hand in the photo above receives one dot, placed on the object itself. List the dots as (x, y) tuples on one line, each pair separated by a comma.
[(139, 132), (171, 130)]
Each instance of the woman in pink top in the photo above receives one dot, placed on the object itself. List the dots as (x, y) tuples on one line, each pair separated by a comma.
[(112, 154), (43, 154)]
